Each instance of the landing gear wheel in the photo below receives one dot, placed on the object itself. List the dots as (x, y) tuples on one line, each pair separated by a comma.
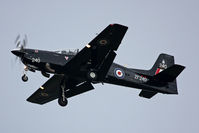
[(62, 101), (24, 78), (92, 75)]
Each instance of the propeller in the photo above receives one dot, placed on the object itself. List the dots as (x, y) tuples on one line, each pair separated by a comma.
[(18, 41), (19, 51), (20, 45)]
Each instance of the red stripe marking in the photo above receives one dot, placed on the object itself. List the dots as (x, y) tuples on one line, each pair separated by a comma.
[(157, 71)]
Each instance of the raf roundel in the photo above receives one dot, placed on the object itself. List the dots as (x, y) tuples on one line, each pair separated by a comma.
[(119, 73)]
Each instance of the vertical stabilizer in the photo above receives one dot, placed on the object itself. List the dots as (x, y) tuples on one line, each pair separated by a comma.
[(163, 62)]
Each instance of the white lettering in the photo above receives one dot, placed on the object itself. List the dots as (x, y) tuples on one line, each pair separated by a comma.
[(141, 78), (36, 60)]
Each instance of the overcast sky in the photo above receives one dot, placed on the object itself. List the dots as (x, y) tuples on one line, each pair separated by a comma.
[(155, 26)]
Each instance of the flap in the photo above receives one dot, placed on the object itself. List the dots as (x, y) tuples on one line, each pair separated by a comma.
[(78, 89)]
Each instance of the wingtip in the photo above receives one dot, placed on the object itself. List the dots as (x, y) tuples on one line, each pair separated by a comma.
[(116, 24)]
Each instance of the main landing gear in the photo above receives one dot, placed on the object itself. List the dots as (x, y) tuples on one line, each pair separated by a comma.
[(62, 100), (25, 77)]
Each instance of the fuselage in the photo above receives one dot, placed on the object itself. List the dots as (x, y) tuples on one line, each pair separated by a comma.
[(55, 62)]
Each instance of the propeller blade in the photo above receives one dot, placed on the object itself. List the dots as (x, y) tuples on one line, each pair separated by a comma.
[(25, 41), (18, 44), (17, 38)]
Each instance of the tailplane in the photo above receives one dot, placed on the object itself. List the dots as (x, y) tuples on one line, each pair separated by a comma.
[(169, 74)]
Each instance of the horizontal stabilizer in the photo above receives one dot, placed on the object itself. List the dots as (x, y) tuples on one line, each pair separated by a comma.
[(147, 94), (169, 74)]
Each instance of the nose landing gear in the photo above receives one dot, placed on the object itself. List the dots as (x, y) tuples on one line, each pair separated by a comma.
[(25, 77)]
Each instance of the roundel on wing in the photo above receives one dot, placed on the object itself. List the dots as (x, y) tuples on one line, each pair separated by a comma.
[(44, 94), (103, 42), (119, 73)]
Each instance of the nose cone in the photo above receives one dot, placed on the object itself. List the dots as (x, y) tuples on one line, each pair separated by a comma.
[(17, 52)]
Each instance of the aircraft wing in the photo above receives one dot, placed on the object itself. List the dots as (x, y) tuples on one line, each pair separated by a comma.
[(99, 53), (51, 90), (47, 92)]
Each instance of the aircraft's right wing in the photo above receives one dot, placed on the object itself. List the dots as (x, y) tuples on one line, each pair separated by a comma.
[(99, 53)]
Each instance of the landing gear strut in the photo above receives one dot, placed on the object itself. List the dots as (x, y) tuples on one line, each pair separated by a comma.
[(62, 100), (25, 77)]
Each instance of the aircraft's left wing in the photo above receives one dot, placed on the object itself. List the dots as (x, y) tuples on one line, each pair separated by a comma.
[(51, 89), (47, 92), (99, 53)]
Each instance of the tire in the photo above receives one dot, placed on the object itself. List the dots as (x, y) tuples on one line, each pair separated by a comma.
[(24, 78), (62, 102)]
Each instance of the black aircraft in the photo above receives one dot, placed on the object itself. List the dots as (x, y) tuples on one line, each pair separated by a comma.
[(74, 72)]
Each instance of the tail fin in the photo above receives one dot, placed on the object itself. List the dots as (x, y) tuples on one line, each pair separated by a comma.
[(165, 70), (163, 62)]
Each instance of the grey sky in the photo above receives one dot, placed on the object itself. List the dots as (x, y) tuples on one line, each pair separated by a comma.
[(155, 26)]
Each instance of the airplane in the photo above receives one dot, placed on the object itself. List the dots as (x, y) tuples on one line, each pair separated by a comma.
[(74, 72)]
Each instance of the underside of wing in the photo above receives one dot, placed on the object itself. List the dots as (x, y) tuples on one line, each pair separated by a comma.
[(99, 53), (79, 88), (47, 92), (51, 89)]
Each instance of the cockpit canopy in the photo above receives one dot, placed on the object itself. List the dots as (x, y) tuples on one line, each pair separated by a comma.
[(68, 52)]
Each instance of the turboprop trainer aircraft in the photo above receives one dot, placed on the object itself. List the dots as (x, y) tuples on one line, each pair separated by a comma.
[(74, 72)]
